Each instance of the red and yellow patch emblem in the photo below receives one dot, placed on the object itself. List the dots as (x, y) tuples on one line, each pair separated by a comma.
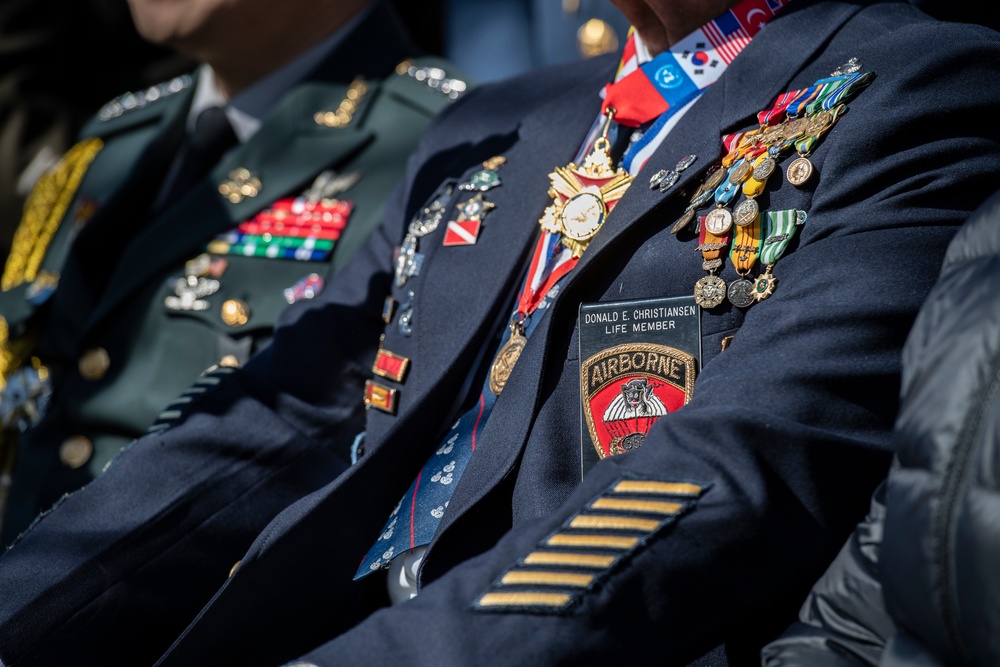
[(626, 388)]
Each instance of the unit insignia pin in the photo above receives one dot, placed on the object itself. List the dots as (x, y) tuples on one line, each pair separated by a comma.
[(464, 230), (405, 322), (307, 288), (389, 364), (850, 67), (486, 178), (190, 292), (380, 397), (664, 180), (387, 309), (242, 184)]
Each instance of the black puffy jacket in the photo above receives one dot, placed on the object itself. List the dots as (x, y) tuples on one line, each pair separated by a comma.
[(918, 583)]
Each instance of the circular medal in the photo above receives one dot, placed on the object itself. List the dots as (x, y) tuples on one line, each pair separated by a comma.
[(764, 169), (719, 221), (714, 179), (746, 213), (799, 171), (582, 216), (763, 287), (504, 362), (740, 173), (710, 291), (819, 123), (741, 293), (683, 221)]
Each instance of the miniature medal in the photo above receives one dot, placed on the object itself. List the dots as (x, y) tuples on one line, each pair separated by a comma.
[(507, 357), (799, 171), (710, 291), (740, 293), (781, 228), (719, 221)]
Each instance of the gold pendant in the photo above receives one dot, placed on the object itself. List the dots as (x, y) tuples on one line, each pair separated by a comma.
[(503, 363), (583, 196), (799, 171)]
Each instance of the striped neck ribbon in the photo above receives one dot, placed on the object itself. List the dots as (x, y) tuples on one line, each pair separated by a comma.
[(671, 80)]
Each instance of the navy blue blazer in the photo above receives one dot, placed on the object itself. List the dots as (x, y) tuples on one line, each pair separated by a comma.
[(769, 466)]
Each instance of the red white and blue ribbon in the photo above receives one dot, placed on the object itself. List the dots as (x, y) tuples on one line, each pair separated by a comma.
[(660, 87)]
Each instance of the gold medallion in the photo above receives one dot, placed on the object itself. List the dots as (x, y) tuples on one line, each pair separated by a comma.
[(715, 179), (819, 123), (796, 128), (506, 358), (763, 287), (719, 221), (740, 173), (764, 169), (799, 171), (710, 291)]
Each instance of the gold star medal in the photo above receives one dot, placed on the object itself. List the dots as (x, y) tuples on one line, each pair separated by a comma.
[(582, 196)]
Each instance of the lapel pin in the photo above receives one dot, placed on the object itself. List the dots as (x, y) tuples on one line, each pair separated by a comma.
[(850, 67), (665, 179), (242, 184), (464, 230)]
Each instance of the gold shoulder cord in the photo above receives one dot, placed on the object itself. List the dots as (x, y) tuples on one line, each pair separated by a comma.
[(43, 212)]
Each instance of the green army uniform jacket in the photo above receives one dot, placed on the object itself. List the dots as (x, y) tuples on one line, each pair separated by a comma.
[(110, 312)]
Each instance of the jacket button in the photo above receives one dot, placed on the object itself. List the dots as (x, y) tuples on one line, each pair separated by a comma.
[(75, 451), (235, 312), (235, 567), (94, 364), (229, 361)]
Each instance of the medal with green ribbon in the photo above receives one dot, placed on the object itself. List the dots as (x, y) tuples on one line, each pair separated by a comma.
[(781, 229)]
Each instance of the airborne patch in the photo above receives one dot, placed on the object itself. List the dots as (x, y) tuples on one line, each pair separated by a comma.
[(639, 360), (627, 388)]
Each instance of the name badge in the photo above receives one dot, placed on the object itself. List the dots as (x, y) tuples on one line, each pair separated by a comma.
[(638, 362)]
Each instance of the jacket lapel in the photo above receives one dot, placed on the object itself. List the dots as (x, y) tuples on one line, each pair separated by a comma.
[(454, 315), (750, 84), (286, 154), (122, 182)]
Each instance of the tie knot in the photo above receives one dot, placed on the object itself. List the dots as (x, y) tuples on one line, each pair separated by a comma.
[(213, 134)]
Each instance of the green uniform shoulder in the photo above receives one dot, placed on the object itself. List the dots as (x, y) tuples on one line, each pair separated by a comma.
[(135, 107), (428, 82)]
